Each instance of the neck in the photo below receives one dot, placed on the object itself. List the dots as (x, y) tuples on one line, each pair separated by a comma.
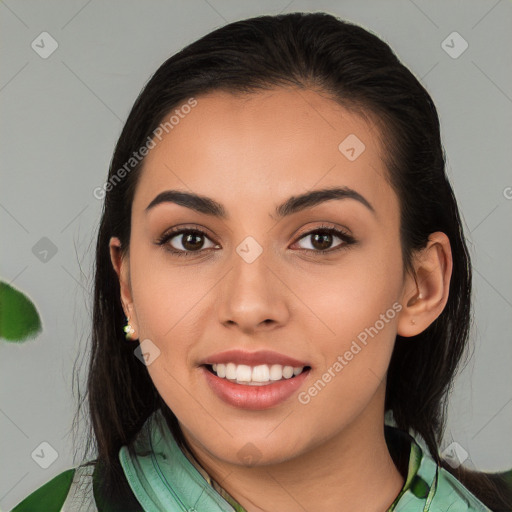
[(353, 470)]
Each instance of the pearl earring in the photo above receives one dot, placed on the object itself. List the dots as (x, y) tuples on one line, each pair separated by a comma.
[(129, 331)]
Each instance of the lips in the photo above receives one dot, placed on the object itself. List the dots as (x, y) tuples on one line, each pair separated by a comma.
[(261, 397), (253, 358), (256, 397)]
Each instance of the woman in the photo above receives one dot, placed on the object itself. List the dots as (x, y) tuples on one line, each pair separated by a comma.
[(283, 250)]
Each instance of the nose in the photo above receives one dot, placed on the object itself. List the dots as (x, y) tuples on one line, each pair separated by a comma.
[(252, 296)]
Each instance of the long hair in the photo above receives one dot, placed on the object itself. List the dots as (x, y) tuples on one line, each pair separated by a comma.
[(361, 73)]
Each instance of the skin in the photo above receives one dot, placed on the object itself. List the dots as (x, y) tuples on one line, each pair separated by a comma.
[(268, 146)]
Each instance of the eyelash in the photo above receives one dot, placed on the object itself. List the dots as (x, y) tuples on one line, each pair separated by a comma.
[(347, 239)]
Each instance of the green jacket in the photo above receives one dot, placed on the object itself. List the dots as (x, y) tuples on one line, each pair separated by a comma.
[(161, 477)]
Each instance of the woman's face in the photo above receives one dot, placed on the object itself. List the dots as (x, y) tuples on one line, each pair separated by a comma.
[(251, 285)]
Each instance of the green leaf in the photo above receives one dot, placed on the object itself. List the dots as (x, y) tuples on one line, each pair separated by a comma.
[(19, 319)]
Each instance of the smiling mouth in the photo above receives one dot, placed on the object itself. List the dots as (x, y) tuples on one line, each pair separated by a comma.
[(260, 375)]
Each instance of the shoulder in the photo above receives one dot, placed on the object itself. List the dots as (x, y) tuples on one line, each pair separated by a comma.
[(453, 491), (449, 493), (431, 487), (70, 490)]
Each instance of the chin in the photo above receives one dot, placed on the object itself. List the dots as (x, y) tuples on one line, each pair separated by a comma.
[(256, 453)]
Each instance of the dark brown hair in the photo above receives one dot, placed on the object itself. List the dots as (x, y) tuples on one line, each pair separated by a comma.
[(361, 73)]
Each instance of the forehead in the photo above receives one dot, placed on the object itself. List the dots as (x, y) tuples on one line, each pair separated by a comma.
[(259, 148)]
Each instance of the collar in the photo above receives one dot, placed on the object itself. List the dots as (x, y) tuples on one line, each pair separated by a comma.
[(163, 477)]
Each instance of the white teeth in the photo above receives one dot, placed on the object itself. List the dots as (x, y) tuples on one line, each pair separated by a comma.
[(231, 371), (260, 373), (276, 372), (221, 370), (288, 372), (256, 375), (243, 373)]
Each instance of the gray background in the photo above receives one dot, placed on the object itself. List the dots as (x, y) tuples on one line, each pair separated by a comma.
[(61, 117)]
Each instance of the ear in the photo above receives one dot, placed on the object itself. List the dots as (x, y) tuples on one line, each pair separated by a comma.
[(121, 266), (426, 292)]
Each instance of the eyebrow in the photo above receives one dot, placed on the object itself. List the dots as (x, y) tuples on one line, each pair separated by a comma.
[(294, 204)]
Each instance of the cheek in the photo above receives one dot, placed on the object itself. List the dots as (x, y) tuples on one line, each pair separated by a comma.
[(166, 307), (165, 295), (354, 361), (358, 305), (352, 296), (170, 304)]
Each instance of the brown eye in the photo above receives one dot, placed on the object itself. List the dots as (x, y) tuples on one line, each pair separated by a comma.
[(321, 239), (191, 241), (185, 242)]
